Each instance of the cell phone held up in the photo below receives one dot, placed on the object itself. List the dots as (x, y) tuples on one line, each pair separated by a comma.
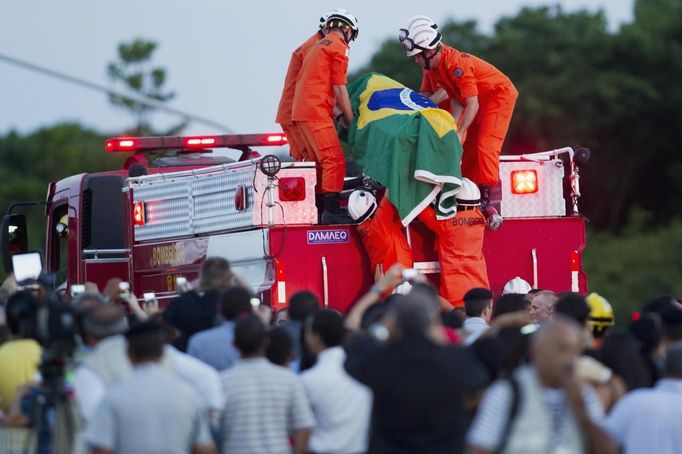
[(124, 290)]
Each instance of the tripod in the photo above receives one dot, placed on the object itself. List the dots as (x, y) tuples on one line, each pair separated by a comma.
[(52, 410)]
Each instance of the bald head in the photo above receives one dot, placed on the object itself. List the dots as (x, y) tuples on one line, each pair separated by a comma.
[(554, 349)]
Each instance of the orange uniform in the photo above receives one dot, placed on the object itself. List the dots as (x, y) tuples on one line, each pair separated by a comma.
[(459, 242), (324, 66), (463, 76), (296, 145), (384, 238)]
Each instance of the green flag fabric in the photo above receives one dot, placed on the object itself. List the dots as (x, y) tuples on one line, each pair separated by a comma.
[(405, 142)]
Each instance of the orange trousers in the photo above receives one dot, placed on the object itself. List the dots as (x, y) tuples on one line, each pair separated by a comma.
[(485, 136), (297, 147), (384, 238), (324, 148), (459, 242)]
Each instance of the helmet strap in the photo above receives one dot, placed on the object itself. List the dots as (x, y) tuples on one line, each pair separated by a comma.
[(347, 34), (427, 60)]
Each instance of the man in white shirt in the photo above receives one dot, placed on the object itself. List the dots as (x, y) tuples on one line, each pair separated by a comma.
[(152, 410), (478, 304), (647, 420), (106, 362), (543, 408), (341, 405)]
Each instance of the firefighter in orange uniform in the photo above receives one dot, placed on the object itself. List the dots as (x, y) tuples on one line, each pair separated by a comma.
[(459, 242), (482, 100), (381, 231), (297, 147), (321, 86)]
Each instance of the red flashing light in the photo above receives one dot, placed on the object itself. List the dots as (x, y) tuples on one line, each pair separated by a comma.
[(277, 139), (291, 189), (524, 181), (139, 213), (199, 142), (121, 144), (636, 316)]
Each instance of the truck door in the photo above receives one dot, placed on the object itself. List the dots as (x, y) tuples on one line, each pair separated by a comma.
[(58, 254), (103, 247)]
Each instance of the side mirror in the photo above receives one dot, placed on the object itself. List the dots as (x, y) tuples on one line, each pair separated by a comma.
[(14, 238)]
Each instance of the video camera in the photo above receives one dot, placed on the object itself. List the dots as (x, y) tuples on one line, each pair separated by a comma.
[(39, 310)]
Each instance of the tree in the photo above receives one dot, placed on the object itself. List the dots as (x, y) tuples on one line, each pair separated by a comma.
[(31, 161), (637, 266), (135, 71)]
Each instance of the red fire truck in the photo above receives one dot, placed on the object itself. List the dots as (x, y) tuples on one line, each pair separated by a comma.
[(152, 226)]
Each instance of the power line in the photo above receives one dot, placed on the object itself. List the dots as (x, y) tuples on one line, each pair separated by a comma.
[(101, 88)]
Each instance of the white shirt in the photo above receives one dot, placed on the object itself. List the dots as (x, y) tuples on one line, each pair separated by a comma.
[(89, 389), (201, 377), (648, 420), (474, 327), (152, 411), (341, 405)]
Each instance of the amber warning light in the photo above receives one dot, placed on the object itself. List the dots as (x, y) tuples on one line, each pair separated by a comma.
[(524, 181), (138, 213)]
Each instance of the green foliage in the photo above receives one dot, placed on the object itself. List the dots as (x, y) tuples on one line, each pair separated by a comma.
[(31, 161), (616, 93), (636, 267), (133, 69)]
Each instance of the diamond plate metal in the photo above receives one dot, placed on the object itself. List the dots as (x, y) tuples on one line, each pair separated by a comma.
[(186, 203), (290, 213)]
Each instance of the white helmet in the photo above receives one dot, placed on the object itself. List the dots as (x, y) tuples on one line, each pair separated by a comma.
[(361, 205), (516, 285), (413, 22), (419, 35), (340, 18), (323, 18), (468, 194)]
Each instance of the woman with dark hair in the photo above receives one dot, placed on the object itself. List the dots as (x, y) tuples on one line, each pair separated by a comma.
[(621, 352)]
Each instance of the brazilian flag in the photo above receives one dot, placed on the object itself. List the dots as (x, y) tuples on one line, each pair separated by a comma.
[(405, 142)]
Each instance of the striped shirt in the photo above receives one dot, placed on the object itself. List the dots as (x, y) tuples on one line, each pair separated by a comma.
[(488, 428), (264, 404), (214, 346)]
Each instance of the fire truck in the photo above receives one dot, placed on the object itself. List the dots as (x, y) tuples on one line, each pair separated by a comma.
[(149, 225)]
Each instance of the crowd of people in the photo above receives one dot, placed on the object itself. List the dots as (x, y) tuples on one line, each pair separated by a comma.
[(214, 371)]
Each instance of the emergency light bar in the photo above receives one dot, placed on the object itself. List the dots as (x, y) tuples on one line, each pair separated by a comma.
[(131, 144)]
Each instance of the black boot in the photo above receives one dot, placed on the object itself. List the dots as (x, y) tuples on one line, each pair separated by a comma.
[(492, 217), (319, 204), (332, 213)]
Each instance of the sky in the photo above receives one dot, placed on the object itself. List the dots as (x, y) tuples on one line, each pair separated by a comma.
[(226, 60)]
